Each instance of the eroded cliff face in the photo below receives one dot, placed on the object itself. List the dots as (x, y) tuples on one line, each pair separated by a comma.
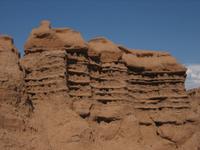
[(74, 94), (11, 76), (194, 95), (11, 91)]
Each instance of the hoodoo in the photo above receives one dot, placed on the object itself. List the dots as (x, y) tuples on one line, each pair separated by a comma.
[(93, 95)]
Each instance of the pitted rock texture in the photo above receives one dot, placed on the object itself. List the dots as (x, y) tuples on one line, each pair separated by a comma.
[(194, 95), (66, 93), (11, 75)]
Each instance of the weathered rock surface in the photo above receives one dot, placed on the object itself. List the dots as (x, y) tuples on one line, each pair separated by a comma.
[(194, 95), (11, 75), (11, 91), (66, 93)]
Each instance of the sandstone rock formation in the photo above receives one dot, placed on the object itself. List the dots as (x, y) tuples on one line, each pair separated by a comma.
[(11, 76), (194, 95), (66, 93), (11, 93)]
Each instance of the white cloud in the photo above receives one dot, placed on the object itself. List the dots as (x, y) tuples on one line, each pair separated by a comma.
[(193, 76)]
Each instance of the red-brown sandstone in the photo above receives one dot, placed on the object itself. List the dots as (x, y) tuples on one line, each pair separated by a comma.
[(66, 93)]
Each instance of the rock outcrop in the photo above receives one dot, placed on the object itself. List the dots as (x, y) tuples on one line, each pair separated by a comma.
[(194, 95), (11, 93), (11, 75), (44, 64), (73, 94)]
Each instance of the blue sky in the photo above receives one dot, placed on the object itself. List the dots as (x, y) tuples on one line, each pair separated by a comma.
[(170, 25)]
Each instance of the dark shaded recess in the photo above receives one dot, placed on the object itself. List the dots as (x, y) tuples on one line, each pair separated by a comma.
[(104, 101), (84, 116), (71, 61), (74, 83), (27, 71), (145, 123), (106, 120), (159, 123), (158, 98), (136, 69), (96, 59), (29, 103), (94, 67)]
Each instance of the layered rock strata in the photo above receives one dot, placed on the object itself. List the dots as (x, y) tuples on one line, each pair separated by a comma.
[(156, 86), (96, 94), (11, 75), (45, 64), (11, 95)]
